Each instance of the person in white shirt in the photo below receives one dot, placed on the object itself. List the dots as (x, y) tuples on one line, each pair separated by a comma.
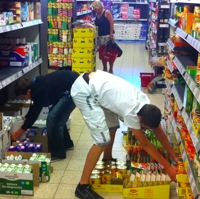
[(101, 98)]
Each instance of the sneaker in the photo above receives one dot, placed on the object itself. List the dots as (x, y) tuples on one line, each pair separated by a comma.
[(86, 192), (111, 160)]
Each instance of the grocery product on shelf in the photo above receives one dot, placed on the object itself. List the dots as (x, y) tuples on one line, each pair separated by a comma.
[(59, 33)]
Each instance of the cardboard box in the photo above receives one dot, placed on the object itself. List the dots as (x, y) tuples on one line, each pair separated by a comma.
[(83, 62), (153, 192), (38, 138), (82, 52), (44, 167), (83, 43), (84, 32), (81, 70), (108, 188), (19, 183)]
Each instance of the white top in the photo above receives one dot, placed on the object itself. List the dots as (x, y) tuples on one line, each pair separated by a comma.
[(118, 96)]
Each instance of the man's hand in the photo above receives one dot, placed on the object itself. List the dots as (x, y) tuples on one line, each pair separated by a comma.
[(175, 159), (16, 135), (172, 172)]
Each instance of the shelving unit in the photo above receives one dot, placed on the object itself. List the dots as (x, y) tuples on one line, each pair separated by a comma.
[(158, 29), (134, 19), (178, 92)]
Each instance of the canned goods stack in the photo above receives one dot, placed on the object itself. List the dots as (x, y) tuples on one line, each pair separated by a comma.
[(108, 172), (83, 56), (59, 32)]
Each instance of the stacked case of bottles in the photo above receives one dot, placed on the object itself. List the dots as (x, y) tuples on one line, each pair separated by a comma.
[(59, 32), (83, 53)]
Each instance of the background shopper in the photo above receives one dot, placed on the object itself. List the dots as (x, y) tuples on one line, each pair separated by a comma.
[(104, 22), (50, 90), (92, 91)]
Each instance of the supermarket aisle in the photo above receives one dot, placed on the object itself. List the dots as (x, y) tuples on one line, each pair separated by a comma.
[(67, 173)]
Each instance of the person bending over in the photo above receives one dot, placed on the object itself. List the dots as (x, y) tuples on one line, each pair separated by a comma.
[(91, 92)]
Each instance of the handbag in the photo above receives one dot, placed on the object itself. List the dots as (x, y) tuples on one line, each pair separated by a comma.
[(115, 46)]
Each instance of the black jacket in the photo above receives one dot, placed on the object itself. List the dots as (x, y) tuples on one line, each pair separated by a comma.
[(47, 90)]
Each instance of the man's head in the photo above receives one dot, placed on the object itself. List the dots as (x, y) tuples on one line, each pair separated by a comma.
[(97, 6), (150, 116), (23, 88)]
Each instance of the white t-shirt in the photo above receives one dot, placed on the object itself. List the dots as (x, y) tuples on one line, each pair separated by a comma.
[(118, 96)]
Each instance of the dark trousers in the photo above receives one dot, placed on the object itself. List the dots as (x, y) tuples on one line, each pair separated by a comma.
[(58, 135)]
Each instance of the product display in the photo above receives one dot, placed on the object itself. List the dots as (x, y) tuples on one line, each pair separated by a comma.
[(83, 53), (59, 33)]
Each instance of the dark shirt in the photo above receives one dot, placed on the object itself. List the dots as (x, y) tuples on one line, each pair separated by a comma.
[(103, 25), (47, 90)]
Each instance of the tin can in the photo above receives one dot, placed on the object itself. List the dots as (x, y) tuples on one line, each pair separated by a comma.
[(100, 162), (100, 167), (95, 179), (122, 169), (95, 172), (106, 177), (111, 168), (120, 163)]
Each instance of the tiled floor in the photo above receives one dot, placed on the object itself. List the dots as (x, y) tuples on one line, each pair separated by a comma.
[(67, 173)]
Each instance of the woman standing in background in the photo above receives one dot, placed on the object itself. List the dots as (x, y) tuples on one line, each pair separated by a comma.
[(104, 22)]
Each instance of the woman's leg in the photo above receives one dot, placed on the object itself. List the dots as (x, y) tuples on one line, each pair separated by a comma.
[(104, 66), (111, 67), (56, 120)]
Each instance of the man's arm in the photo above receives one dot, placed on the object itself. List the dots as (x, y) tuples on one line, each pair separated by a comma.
[(153, 152), (160, 135)]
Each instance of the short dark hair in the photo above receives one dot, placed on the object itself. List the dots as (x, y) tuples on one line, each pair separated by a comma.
[(150, 115), (22, 86)]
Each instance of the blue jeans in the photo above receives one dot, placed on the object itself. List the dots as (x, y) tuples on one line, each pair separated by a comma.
[(58, 135)]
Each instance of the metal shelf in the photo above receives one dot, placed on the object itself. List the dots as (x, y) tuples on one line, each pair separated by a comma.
[(170, 44), (189, 39), (135, 20), (178, 92), (130, 3), (194, 138), (83, 13), (189, 170), (169, 66), (181, 63), (172, 22), (18, 26), (185, 1), (8, 75)]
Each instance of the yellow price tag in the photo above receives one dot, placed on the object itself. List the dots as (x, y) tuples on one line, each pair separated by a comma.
[(186, 164), (181, 148)]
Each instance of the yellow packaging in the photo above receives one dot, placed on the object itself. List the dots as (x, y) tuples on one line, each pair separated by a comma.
[(147, 180), (108, 188), (162, 179), (154, 192), (83, 52), (182, 178), (142, 179), (81, 70), (158, 177), (153, 179), (84, 32), (83, 62), (83, 43)]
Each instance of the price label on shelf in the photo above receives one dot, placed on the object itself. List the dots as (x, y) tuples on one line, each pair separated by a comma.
[(164, 25), (164, 6), (18, 25)]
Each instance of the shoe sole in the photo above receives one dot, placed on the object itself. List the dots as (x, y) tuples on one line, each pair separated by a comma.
[(52, 161), (69, 149)]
